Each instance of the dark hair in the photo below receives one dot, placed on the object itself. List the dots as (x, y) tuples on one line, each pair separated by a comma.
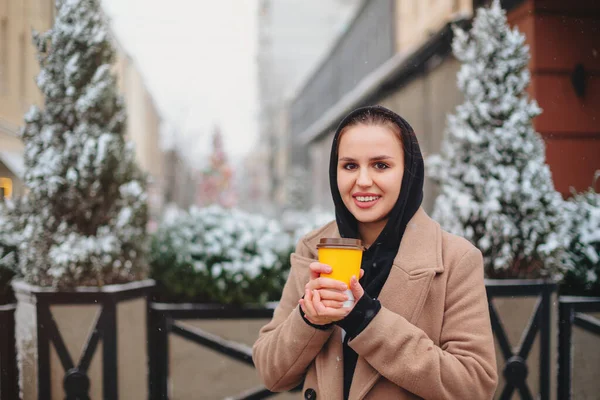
[(372, 117)]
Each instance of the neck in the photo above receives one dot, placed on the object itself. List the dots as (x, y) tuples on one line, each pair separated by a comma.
[(370, 231)]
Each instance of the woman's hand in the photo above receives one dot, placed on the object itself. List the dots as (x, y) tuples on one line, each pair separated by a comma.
[(324, 297)]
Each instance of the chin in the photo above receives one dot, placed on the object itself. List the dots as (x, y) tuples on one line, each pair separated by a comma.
[(365, 217)]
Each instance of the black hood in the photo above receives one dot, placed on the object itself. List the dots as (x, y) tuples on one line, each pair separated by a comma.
[(378, 259)]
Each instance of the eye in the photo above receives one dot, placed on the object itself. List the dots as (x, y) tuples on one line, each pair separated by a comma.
[(349, 166), (381, 165)]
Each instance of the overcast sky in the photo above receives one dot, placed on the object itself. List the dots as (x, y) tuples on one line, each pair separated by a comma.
[(199, 61)]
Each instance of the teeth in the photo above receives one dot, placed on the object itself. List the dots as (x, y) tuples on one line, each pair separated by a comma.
[(368, 198)]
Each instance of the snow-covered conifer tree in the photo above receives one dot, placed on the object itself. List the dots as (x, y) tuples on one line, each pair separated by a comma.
[(583, 256), (9, 241), (216, 179), (86, 224), (495, 187)]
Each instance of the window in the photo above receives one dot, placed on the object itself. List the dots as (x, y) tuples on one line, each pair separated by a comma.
[(3, 55), (6, 187), (22, 68)]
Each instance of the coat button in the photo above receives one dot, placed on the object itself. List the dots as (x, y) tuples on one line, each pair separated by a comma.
[(310, 394)]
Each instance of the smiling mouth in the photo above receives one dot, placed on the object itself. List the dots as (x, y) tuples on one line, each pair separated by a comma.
[(365, 201)]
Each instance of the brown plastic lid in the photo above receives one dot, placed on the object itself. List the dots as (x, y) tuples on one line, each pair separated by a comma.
[(340, 243)]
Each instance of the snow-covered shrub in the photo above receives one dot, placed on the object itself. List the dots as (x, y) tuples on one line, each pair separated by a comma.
[(220, 255), (298, 223), (583, 255), (9, 241), (495, 186), (87, 214)]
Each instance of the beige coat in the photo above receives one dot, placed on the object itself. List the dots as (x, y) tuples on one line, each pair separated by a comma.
[(432, 338)]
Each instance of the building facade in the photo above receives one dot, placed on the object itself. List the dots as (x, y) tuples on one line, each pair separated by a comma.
[(564, 41), (18, 90), (415, 76), (143, 129), (287, 51)]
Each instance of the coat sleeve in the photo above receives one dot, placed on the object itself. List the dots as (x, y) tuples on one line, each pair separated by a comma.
[(463, 366), (287, 345)]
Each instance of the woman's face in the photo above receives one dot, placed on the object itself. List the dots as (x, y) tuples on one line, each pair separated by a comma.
[(370, 171)]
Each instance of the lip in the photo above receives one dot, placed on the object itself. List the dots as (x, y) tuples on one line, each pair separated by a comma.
[(365, 194), (368, 204)]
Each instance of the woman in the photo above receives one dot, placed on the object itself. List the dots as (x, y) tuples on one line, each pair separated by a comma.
[(419, 326)]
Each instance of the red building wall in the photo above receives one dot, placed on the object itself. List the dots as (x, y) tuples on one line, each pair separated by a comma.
[(562, 34)]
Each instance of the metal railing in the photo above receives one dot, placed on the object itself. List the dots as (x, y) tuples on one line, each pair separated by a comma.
[(9, 374), (571, 311), (76, 382), (164, 319), (515, 368)]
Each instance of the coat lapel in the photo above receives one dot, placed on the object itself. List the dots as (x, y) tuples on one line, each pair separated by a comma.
[(407, 286)]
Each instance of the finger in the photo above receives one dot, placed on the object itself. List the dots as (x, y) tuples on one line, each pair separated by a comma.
[(356, 289), (328, 283), (307, 295), (328, 313), (334, 314), (318, 306), (326, 294), (307, 314), (316, 268), (332, 303), (362, 273), (308, 303)]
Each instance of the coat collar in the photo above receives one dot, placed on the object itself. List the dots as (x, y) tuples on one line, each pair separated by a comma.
[(420, 249)]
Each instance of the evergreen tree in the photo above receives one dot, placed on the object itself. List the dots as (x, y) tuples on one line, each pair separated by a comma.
[(583, 257), (9, 241), (87, 214), (495, 187), (216, 183)]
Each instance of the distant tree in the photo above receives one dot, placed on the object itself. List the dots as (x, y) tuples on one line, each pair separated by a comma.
[(216, 179)]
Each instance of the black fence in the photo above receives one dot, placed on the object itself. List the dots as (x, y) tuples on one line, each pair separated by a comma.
[(515, 361), (571, 313), (9, 376), (76, 382), (164, 319)]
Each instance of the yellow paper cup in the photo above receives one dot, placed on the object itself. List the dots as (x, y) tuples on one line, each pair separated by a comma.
[(344, 256)]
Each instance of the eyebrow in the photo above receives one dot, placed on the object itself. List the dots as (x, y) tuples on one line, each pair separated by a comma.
[(376, 158)]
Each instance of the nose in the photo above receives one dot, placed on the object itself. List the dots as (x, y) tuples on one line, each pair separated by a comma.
[(364, 178)]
